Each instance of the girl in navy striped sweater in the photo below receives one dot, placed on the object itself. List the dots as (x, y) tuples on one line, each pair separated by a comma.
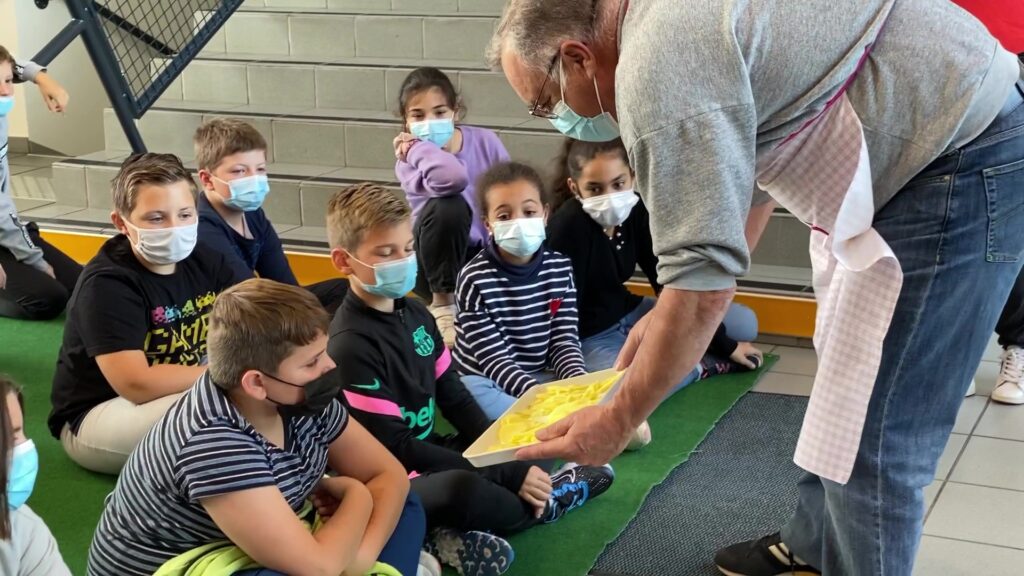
[(516, 325)]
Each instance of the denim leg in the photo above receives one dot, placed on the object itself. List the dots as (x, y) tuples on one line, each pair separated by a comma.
[(740, 323), (491, 398), (600, 351), (402, 552), (958, 232)]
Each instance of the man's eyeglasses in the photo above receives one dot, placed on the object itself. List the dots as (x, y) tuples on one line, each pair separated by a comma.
[(537, 110)]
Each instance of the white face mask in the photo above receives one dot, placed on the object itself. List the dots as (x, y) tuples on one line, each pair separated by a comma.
[(163, 246), (522, 236), (610, 210)]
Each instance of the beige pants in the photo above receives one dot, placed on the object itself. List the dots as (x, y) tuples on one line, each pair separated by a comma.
[(111, 431)]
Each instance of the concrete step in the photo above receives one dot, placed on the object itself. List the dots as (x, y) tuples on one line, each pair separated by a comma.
[(322, 137), (371, 84), (444, 7), (328, 35), (76, 193)]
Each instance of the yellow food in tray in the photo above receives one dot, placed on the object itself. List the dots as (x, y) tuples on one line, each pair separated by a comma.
[(519, 427)]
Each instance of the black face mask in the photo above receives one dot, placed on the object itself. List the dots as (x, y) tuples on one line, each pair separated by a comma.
[(319, 393)]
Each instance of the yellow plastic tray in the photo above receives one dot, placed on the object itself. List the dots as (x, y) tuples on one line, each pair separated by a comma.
[(481, 452)]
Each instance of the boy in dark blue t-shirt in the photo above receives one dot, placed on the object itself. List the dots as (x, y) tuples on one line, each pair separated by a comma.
[(232, 159)]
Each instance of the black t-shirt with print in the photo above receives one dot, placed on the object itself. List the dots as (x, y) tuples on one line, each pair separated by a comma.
[(119, 305)]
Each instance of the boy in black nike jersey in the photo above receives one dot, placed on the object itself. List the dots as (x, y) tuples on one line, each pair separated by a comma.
[(396, 373)]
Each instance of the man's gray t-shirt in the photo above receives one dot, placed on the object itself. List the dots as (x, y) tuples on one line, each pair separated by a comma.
[(703, 87)]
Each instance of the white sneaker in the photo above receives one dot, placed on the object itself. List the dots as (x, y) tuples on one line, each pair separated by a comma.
[(1010, 383), (972, 389), (641, 437), (445, 318), (429, 566)]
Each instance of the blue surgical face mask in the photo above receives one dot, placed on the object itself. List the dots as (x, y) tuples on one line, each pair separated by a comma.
[(6, 105), (22, 476), (394, 279), (247, 194), (438, 132), (521, 237), (602, 128)]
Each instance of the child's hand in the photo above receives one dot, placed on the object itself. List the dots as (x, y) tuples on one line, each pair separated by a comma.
[(55, 96), (326, 504), (3, 278), (402, 143), (329, 493), (744, 350), (536, 489)]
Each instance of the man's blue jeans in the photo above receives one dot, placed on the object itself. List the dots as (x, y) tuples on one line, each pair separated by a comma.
[(958, 231)]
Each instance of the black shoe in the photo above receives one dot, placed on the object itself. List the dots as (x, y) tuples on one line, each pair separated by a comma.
[(767, 556), (574, 487)]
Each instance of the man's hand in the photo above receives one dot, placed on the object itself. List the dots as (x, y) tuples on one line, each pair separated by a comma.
[(592, 436), (48, 270), (55, 96), (3, 278), (744, 351), (536, 490)]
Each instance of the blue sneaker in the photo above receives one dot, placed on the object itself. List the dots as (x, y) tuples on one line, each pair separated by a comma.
[(471, 553), (573, 487)]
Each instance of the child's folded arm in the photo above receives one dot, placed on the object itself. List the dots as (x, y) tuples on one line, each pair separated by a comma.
[(130, 375), (431, 172), (565, 352), (355, 454), (480, 339), (272, 263)]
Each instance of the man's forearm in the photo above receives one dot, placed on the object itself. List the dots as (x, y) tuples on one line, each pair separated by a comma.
[(680, 329)]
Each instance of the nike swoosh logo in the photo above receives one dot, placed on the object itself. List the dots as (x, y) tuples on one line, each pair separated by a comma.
[(374, 386)]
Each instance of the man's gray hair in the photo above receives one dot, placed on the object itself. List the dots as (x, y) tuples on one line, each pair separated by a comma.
[(533, 30)]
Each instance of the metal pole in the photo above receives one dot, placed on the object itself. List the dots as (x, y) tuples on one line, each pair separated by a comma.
[(61, 41), (105, 61)]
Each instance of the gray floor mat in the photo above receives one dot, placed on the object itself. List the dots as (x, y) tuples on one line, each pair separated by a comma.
[(739, 484)]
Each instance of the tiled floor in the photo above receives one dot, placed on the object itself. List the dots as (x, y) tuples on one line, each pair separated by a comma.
[(975, 519)]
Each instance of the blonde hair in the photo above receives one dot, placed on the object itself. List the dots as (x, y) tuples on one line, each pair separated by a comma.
[(221, 137), (353, 211), (256, 325), (145, 170)]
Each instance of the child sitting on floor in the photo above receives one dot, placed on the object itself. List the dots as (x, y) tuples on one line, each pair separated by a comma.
[(438, 163), (517, 322), (135, 337), (601, 225), (232, 159), (27, 548), (396, 372), (235, 460), (36, 279)]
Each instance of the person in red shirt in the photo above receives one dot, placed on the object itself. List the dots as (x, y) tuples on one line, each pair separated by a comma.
[(1004, 19)]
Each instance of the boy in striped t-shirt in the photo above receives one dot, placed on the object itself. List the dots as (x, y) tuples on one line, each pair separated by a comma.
[(234, 461), (517, 321)]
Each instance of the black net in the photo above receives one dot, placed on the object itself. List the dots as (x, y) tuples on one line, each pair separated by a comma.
[(153, 40)]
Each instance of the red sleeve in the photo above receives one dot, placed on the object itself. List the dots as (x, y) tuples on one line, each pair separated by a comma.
[(1004, 18)]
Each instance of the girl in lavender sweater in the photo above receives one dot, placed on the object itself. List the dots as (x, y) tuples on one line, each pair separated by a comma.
[(438, 163)]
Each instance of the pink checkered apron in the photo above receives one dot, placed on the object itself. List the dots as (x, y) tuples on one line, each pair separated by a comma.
[(822, 175)]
